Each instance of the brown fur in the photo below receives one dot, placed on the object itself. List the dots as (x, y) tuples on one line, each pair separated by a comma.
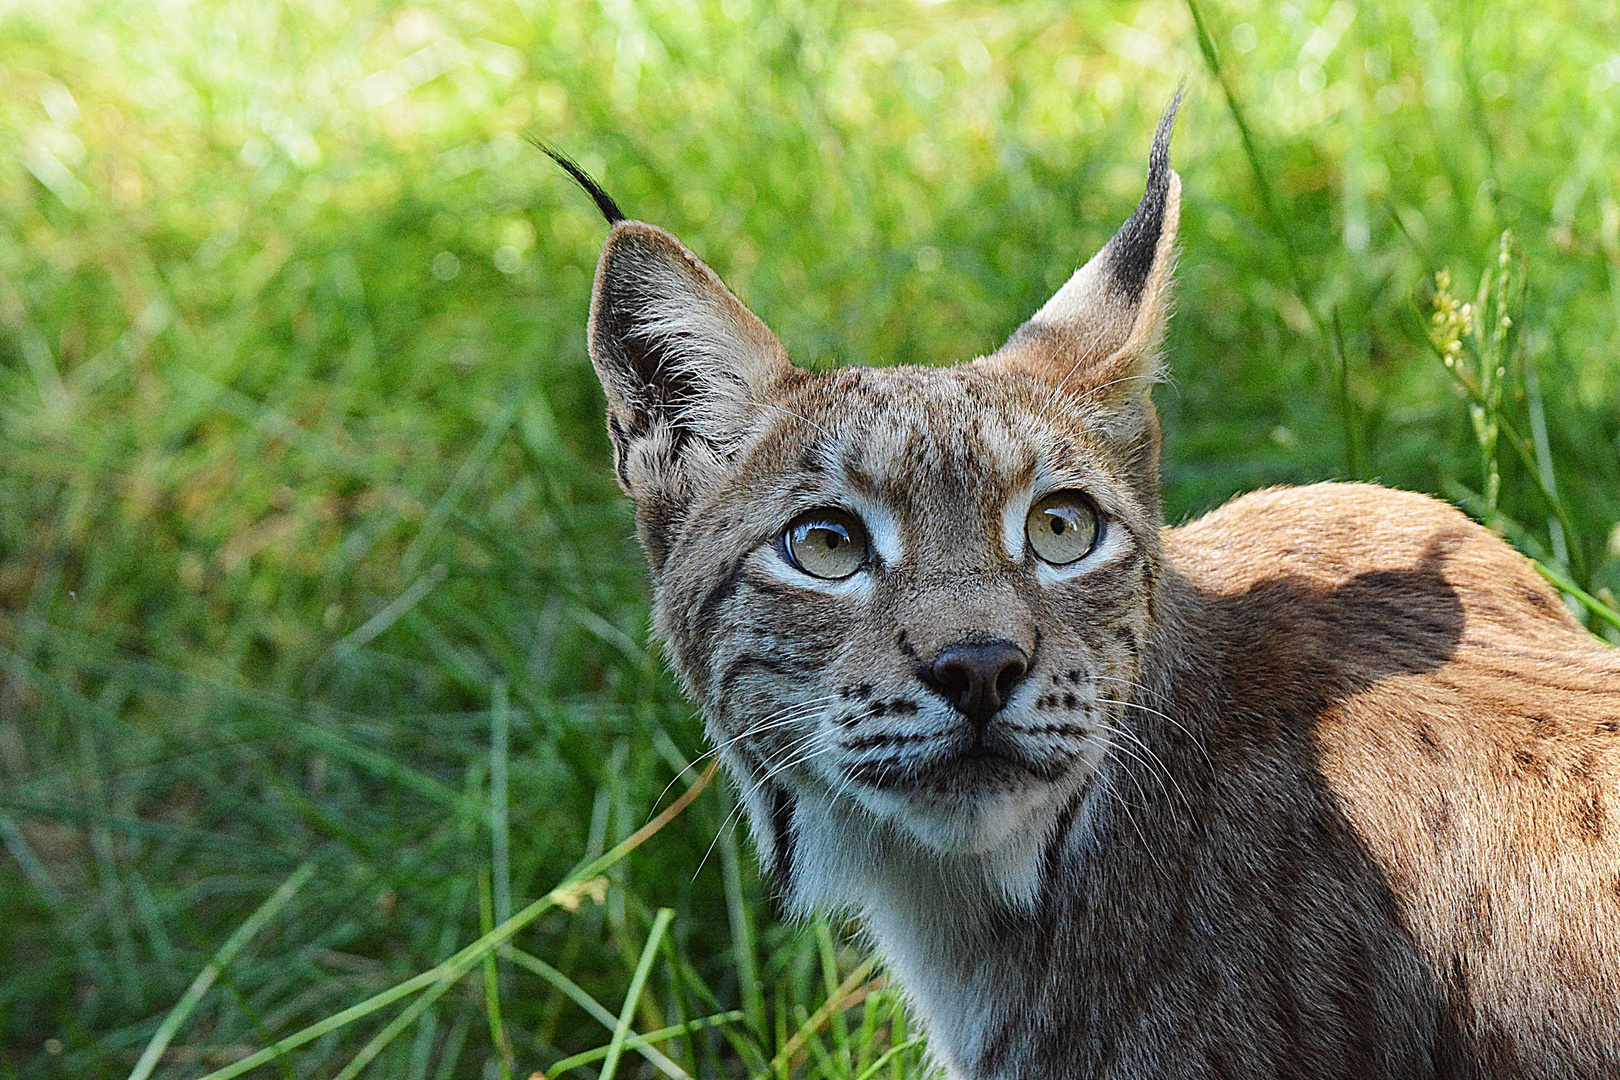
[(1324, 784)]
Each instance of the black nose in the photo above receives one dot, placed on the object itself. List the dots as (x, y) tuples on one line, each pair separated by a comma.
[(978, 677)]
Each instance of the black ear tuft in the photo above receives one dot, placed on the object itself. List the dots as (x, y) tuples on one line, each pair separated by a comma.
[(604, 202), (1134, 247)]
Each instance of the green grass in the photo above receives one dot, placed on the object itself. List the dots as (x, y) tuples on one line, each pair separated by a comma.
[(309, 550)]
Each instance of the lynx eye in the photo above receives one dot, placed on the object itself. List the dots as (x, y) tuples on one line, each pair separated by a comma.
[(826, 543), (1061, 527)]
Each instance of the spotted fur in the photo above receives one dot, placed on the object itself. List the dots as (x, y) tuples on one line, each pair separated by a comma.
[(1324, 784)]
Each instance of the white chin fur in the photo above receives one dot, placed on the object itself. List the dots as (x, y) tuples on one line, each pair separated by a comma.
[(927, 877), (958, 824), (883, 852)]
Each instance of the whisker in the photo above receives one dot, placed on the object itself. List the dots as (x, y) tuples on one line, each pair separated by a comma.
[(733, 814), (742, 803), (779, 719), (797, 415), (1148, 761), (1167, 718), (1136, 825)]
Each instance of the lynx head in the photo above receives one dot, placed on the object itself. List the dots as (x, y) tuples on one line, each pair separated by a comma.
[(907, 599)]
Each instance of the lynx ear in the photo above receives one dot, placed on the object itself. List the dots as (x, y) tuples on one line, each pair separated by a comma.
[(685, 367), (1100, 332)]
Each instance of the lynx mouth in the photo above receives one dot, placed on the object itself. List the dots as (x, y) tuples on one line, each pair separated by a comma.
[(979, 765)]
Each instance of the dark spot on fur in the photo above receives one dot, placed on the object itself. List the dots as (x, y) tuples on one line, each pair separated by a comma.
[(1477, 912), (1070, 701), (782, 835), (1428, 741), (1536, 599), (877, 709), (884, 738), (1049, 729), (1610, 727), (1074, 677), (722, 592), (905, 647), (1058, 844), (903, 707), (1590, 816), (810, 461), (1437, 816), (739, 665), (863, 691), (1525, 762)]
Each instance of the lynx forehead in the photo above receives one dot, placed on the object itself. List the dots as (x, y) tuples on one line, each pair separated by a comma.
[(1322, 784)]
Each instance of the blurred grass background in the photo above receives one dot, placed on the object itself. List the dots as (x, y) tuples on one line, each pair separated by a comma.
[(309, 549)]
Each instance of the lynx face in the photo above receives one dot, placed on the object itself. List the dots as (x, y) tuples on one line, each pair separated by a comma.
[(910, 601), (923, 592)]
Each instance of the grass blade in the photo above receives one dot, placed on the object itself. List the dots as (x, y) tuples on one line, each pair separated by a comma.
[(888, 1055), (217, 964), (575, 993), (492, 988), (500, 835), (1592, 603), (566, 895), (391, 1031), (636, 1042), (1272, 204), (742, 934), (632, 996), (818, 1019)]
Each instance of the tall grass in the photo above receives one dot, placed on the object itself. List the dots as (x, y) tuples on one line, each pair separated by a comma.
[(322, 633)]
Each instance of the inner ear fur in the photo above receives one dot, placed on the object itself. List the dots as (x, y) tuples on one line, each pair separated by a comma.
[(685, 365), (1098, 336)]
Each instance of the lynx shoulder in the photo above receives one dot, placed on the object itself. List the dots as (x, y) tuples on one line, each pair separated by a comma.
[(1326, 783)]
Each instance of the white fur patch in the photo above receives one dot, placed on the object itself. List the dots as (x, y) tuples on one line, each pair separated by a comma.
[(926, 911), (706, 346), (1014, 519), (881, 528)]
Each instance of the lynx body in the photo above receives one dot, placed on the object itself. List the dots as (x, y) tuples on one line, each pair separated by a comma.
[(1324, 784)]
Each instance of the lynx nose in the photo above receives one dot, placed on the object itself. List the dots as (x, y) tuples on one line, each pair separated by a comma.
[(977, 678)]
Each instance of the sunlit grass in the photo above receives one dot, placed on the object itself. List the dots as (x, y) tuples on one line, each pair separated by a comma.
[(309, 549)]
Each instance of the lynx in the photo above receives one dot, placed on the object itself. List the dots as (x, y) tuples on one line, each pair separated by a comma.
[(1323, 784)]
